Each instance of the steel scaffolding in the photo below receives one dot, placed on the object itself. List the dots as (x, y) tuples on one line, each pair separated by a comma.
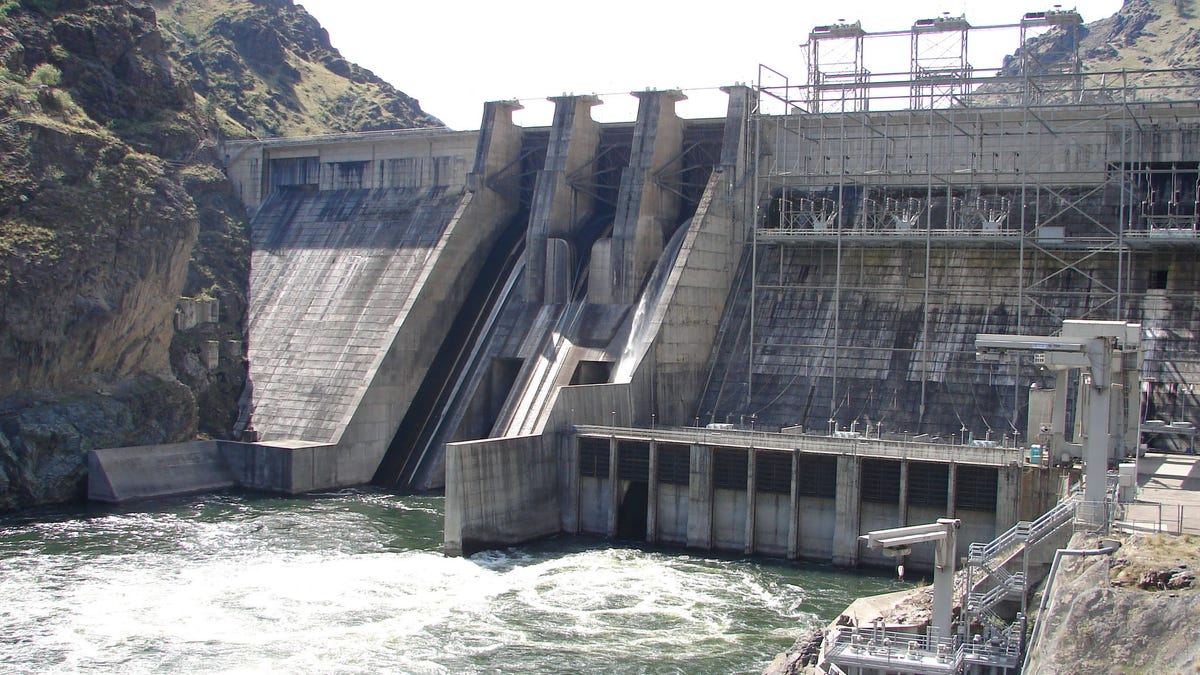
[(1088, 179)]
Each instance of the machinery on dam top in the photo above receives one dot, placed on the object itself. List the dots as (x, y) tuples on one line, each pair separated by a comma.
[(1109, 358)]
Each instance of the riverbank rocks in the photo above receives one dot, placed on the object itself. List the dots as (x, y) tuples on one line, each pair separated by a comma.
[(44, 443), (801, 658)]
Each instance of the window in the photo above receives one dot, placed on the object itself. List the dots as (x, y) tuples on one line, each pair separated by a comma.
[(773, 472), (674, 463), (927, 484), (975, 488), (633, 460), (881, 481), (729, 468), (818, 476), (593, 457)]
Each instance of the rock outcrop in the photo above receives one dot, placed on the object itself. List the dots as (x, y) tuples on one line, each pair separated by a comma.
[(1099, 621), (268, 67), (114, 204), (1145, 35)]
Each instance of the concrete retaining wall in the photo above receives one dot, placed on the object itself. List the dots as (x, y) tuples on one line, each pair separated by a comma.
[(505, 491), (119, 475), (126, 474)]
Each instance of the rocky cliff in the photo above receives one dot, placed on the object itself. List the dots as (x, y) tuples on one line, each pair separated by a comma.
[(1145, 35), (1113, 615), (113, 204), (269, 68)]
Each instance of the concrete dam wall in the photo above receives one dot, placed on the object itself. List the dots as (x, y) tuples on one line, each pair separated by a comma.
[(676, 274), (334, 275), (861, 343)]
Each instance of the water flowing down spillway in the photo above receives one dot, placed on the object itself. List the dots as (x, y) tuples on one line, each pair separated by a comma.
[(356, 582)]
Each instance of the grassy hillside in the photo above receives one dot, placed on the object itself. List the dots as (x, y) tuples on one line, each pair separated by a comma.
[(267, 68)]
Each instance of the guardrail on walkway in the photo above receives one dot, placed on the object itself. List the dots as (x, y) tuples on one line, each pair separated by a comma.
[(1166, 518), (771, 440)]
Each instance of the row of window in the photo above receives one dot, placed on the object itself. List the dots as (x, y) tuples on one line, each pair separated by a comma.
[(928, 483), (406, 172)]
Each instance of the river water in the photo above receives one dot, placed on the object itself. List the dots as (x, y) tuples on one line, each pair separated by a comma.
[(355, 582)]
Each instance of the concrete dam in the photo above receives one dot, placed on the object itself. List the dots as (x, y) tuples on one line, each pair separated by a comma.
[(752, 333)]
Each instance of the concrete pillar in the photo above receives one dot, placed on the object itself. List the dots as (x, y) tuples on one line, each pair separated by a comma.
[(1095, 454), (1008, 496), (793, 551), (902, 507), (751, 499), (647, 201), (652, 496), (614, 488), (600, 290), (559, 271), (498, 147), (848, 511), (951, 490), (568, 477), (1133, 399), (557, 208), (455, 503), (1058, 422), (700, 498)]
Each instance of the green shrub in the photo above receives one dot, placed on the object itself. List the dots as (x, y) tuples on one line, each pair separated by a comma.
[(45, 74)]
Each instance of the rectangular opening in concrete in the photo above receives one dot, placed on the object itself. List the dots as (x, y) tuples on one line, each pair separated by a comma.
[(503, 375), (295, 171), (975, 488), (673, 464), (593, 457), (773, 472), (729, 468), (349, 175), (927, 484), (1158, 280), (881, 481), (818, 476), (592, 372), (633, 460)]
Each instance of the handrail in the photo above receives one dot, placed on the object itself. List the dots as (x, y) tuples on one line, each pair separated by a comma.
[(772, 440), (1050, 520), (870, 646), (980, 553), (1014, 583)]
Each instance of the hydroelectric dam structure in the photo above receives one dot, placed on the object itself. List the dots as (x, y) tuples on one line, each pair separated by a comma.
[(752, 333)]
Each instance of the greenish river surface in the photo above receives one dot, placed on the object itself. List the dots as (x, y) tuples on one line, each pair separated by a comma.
[(356, 582)]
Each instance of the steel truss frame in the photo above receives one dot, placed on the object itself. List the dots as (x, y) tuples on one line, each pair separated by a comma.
[(979, 167)]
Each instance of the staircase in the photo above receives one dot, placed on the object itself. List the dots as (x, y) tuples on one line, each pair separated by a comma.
[(992, 557)]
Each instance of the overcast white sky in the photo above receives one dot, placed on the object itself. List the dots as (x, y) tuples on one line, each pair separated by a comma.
[(453, 55)]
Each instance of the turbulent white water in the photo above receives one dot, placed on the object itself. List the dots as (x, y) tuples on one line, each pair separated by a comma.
[(356, 583)]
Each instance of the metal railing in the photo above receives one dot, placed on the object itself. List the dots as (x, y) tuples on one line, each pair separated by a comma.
[(1166, 518), (771, 440), (1053, 519), (1026, 532), (1007, 586), (889, 650)]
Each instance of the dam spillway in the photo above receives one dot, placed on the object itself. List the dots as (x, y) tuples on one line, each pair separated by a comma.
[(833, 268), (365, 247)]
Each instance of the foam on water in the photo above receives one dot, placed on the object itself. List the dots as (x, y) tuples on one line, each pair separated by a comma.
[(355, 582)]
